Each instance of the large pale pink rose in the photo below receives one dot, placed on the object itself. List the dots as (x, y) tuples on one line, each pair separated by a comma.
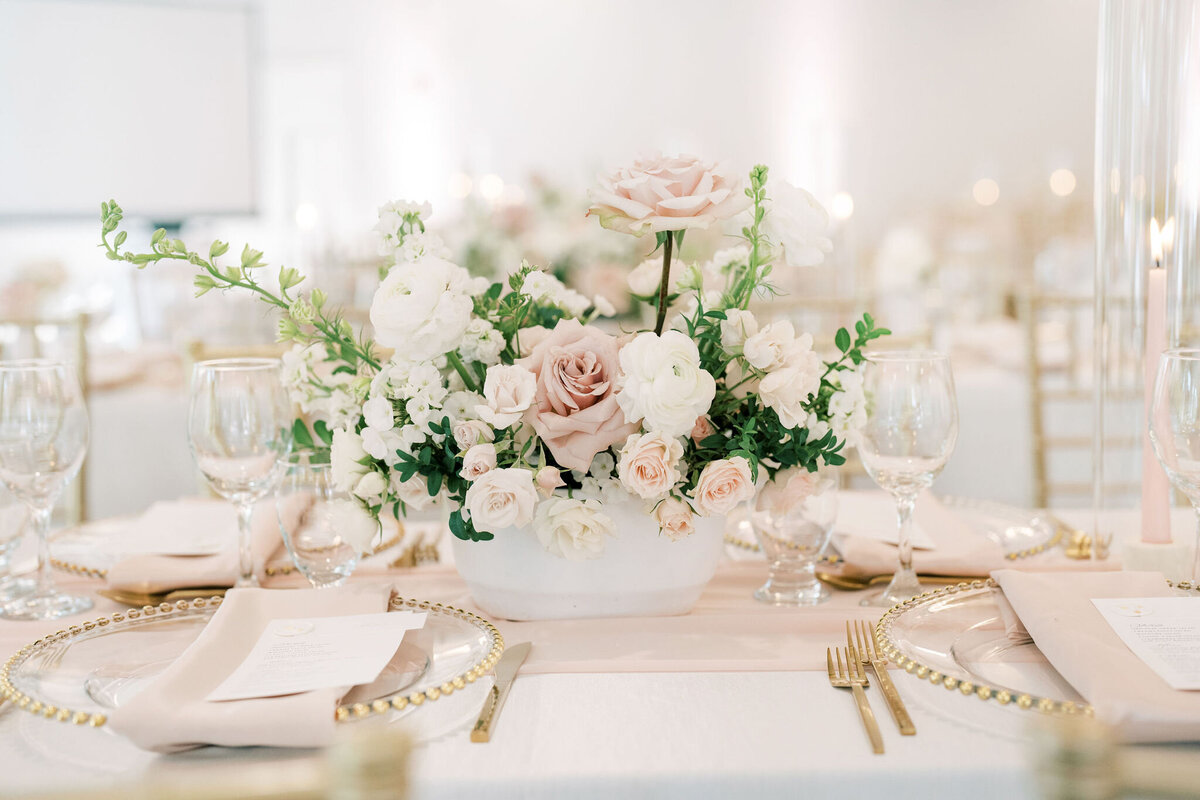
[(575, 409), (667, 194), (722, 485)]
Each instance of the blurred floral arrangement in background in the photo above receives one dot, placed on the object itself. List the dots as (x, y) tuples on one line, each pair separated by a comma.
[(520, 403)]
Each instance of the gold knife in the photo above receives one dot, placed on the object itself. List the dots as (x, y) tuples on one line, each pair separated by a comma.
[(506, 671)]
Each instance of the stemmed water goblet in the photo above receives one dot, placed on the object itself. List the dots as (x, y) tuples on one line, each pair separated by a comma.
[(43, 439), (1175, 428), (910, 431), (240, 433), (325, 530), (793, 519)]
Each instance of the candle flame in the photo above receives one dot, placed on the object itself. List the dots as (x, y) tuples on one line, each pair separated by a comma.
[(1156, 242), (1168, 234)]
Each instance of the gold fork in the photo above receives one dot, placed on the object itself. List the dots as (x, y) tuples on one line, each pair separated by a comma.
[(852, 677), (868, 656)]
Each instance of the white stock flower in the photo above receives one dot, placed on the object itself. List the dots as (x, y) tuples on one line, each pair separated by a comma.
[(345, 454), (725, 260), (418, 245), (460, 406), (663, 382), (391, 217), (481, 342), (502, 498), (798, 223), (422, 309), (736, 328), (572, 529), (508, 391), (377, 412), (848, 406), (649, 464), (382, 445)]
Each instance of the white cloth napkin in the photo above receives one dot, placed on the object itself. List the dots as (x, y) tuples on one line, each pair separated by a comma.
[(1057, 611), (171, 714)]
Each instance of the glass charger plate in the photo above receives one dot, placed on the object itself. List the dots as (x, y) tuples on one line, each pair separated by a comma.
[(1019, 532), (80, 674), (955, 637)]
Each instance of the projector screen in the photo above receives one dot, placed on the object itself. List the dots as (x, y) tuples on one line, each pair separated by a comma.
[(146, 103)]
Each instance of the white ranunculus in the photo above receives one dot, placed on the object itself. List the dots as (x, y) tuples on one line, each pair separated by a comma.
[(572, 529), (738, 326), (663, 383), (371, 487), (414, 492), (352, 523), (345, 453), (502, 498), (798, 223), (787, 390), (770, 348), (508, 391), (422, 309), (377, 412)]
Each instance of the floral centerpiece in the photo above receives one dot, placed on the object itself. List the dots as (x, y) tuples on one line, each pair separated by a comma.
[(514, 405)]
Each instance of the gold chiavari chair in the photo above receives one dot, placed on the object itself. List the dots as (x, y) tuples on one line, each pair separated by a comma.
[(62, 338), (1058, 356)]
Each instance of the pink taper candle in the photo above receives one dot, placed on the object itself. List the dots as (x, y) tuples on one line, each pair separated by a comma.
[(1156, 489)]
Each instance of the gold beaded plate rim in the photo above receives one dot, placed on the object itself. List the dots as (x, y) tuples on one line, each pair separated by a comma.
[(183, 608), (1003, 695)]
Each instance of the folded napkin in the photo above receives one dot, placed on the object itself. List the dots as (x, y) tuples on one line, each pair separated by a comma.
[(1057, 611), (957, 549), (171, 714), (196, 518)]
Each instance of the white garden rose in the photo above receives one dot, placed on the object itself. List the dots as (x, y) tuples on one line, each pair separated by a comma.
[(798, 223), (663, 383), (738, 326), (649, 464), (371, 487), (772, 346), (502, 498), (787, 390), (345, 453), (351, 522), (508, 391), (470, 432), (422, 308), (479, 460), (573, 529), (414, 492), (722, 485), (675, 519), (377, 412)]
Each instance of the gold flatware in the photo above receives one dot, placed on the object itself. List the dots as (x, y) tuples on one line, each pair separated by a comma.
[(854, 678), (855, 583), (506, 672), (868, 655), (139, 599)]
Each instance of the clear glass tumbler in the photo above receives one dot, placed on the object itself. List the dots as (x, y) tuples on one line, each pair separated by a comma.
[(793, 520)]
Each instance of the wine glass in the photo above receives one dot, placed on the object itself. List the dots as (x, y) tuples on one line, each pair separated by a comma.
[(1175, 427), (911, 427), (325, 530), (13, 518), (43, 439), (793, 520), (240, 433)]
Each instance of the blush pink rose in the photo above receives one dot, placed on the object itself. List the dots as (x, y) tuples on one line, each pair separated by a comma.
[(479, 460), (675, 519), (722, 485), (548, 479), (789, 490), (648, 466), (702, 430), (667, 194), (575, 409)]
